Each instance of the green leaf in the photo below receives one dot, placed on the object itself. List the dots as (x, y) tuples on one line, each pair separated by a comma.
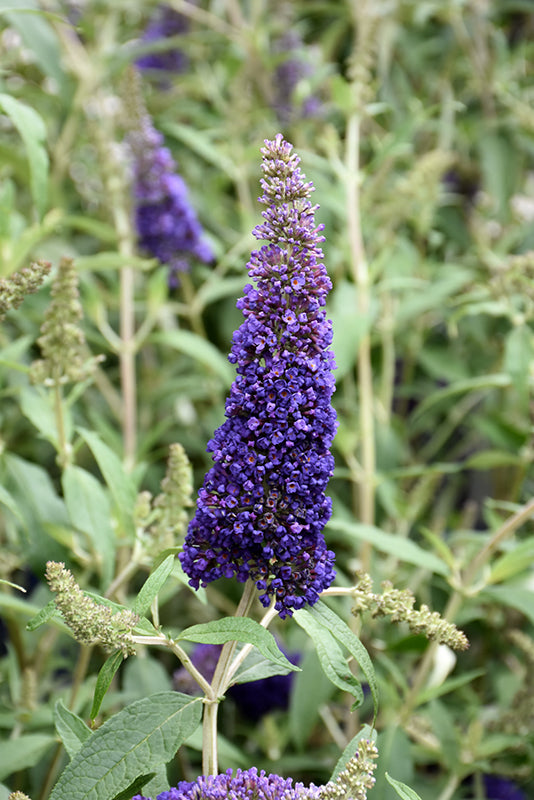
[(515, 597), (255, 667), (32, 131), (152, 585), (480, 383), (42, 616), (364, 733), (103, 682), (130, 744), (23, 752), (198, 348), (89, 510), (330, 655), (121, 485), (39, 507), (35, 405), (238, 629), (518, 354), (402, 790), (135, 787), (432, 294), (492, 458), (9, 502), (310, 682), (338, 628), (514, 562), (39, 37), (404, 549), (72, 730), (449, 685)]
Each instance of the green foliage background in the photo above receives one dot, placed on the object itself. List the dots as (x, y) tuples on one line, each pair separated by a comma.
[(422, 155)]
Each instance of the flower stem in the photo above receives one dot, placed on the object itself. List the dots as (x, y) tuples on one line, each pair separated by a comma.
[(219, 683), (365, 378), (63, 454)]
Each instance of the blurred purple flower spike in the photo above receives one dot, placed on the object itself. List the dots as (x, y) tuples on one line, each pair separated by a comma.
[(167, 225), (165, 23)]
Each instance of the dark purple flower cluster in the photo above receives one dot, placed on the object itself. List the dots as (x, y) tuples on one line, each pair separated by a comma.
[(165, 24), (498, 788), (291, 70), (253, 699), (167, 225), (263, 508), (248, 784)]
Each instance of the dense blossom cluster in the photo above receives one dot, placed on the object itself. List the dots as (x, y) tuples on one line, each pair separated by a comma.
[(247, 784), (164, 24), (352, 783), (167, 225), (263, 508)]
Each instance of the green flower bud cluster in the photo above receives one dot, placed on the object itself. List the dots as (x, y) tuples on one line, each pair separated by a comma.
[(62, 341), (90, 622), (399, 605), (357, 777), (165, 518), (14, 289)]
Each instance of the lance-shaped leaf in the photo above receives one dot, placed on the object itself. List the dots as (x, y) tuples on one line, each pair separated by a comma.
[(238, 629), (130, 744)]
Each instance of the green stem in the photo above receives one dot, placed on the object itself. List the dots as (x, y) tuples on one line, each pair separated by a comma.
[(220, 681), (365, 378), (64, 451), (127, 365)]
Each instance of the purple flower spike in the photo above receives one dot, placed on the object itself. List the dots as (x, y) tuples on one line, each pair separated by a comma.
[(247, 783), (263, 508), (164, 24), (167, 225)]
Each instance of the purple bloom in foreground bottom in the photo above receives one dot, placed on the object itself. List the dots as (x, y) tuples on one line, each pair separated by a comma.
[(263, 508), (246, 785), (352, 783)]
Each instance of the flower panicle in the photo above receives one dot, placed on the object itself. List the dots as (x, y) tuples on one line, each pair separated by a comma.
[(167, 513), (90, 622), (62, 341), (351, 784), (167, 224), (357, 777), (263, 507), (14, 288), (164, 25), (399, 604)]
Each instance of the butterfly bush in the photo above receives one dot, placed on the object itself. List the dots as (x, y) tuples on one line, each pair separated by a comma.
[(164, 24), (262, 509), (166, 223), (291, 70), (352, 783), (248, 784)]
